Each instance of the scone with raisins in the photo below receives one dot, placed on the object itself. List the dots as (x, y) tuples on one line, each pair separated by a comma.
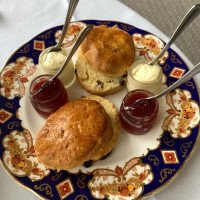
[(103, 60), (82, 130)]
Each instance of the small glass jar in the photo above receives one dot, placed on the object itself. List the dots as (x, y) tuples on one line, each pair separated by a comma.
[(152, 86), (67, 76), (138, 117), (49, 98)]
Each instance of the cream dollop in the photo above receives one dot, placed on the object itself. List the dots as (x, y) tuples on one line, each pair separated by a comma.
[(143, 76), (146, 73), (54, 60)]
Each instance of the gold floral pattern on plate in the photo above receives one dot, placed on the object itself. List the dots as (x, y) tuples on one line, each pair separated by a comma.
[(14, 77), (184, 148), (154, 159), (174, 59), (46, 35), (183, 114), (169, 142), (56, 176), (81, 181), (44, 187), (123, 183), (164, 173), (25, 49), (19, 156), (71, 35), (149, 46)]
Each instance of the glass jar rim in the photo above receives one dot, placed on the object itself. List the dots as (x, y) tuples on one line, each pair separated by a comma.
[(45, 101), (126, 114)]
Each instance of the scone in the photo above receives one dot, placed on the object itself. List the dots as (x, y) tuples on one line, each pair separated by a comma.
[(74, 134), (113, 114), (103, 60)]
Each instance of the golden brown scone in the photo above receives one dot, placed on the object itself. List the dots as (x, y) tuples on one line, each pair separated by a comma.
[(104, 59), (73, 135), (109, 50), (113, 114)]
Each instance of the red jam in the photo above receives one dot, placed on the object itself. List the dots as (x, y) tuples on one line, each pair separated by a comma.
[(49, 98), (138, 117)]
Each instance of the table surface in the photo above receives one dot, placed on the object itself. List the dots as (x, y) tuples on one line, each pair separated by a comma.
[(21, 20)]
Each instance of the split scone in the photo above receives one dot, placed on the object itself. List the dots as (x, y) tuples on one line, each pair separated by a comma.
[(103, 60), (113, 115), (81, 130)]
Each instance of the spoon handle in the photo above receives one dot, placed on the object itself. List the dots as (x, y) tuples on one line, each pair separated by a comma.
[(71, 9), (189, 17), (79, 40), (187, 76)]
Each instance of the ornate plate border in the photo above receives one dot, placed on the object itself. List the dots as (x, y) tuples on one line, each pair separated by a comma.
[(164, 175)]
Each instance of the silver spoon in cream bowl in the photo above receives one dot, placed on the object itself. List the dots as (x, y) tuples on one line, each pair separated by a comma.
[(78, 42), (183, 79)]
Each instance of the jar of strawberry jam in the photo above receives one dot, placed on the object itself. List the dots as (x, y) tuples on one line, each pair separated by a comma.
[(138, 117), (49, 98)]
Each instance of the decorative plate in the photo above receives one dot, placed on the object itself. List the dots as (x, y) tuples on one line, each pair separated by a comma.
[(138, 166)]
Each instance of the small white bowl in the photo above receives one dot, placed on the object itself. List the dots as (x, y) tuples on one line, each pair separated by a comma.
[(152, 86), (67, 76)]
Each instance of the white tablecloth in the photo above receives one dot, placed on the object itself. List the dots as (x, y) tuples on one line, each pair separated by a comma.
[(21, 20)]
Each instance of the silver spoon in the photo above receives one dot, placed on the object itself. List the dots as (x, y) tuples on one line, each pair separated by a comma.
[(187, 76), (189, 17), (79, 40), (71, 9)]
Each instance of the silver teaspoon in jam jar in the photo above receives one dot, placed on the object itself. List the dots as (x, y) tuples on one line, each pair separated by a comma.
[(189, 17), (187, 76), (71, 9)]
